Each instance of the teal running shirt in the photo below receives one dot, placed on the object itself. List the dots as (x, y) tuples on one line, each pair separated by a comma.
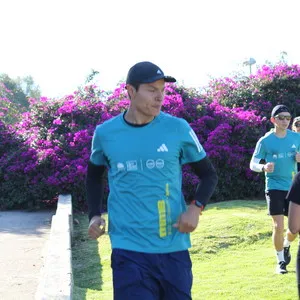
[(280, 151), (145, 179)]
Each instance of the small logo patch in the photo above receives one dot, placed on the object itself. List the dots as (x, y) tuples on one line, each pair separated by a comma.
[(162, 148)]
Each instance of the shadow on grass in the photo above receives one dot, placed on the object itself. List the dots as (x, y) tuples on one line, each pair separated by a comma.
[(87, 268), (217, 242)]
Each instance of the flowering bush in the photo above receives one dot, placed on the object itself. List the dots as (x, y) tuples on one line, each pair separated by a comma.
[(270, 86), (46, 153), (56, 137)]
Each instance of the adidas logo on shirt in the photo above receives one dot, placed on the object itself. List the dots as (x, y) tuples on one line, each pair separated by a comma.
[(162, 148), (294, 146)]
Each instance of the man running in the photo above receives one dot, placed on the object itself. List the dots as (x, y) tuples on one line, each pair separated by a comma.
[(296, 125), (294, 218), (149, 225), (296, 128), (276, 154)]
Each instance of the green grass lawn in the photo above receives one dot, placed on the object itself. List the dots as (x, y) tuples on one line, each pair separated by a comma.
[(232, 254)]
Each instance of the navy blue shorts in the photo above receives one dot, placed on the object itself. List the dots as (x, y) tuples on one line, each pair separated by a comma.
[(147, 276)]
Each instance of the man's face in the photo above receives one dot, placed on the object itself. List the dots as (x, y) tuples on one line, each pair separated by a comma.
[(282, 120), (148, 99), (297, 126)]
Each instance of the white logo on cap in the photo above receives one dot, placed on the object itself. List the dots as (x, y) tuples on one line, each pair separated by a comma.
[(158, 71)]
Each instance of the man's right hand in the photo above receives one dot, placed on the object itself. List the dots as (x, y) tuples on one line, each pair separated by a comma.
[(96, 227), (269, 167)]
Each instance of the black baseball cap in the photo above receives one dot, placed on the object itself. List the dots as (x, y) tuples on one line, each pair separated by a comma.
[(146, 72), (279, 109)]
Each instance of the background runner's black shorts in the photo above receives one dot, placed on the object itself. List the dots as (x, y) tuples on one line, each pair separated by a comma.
[(277, 202)]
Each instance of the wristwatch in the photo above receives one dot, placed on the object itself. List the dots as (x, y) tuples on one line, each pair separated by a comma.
[(198, 204)]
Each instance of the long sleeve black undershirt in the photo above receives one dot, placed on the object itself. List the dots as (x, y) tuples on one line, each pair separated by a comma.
[(95, 189), (95, 184), (208, 178)]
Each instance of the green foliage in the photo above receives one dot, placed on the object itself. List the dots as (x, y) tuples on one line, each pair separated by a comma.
[(20, 89), (90, 77), (9, 111), (29, 87)]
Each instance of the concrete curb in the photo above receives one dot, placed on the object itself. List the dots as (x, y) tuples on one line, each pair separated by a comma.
[(56, 279)]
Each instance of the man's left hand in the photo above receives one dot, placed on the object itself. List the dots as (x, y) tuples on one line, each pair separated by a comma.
[(298, 157), (188, 221)]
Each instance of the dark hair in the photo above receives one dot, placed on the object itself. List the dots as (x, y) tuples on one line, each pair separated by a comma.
[(279, 109), (136, 86)]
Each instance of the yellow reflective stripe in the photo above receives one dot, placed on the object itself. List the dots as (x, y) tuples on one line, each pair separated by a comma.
[(168, 210), (162, 218), (167, 190), (169, 217), (164, 215)]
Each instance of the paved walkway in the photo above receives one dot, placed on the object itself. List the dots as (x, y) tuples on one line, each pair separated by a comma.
[(23, 245)]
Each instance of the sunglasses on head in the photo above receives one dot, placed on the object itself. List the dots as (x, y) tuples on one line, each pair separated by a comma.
[(281, 118), (297, 124)]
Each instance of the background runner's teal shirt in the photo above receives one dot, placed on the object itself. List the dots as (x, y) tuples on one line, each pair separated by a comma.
[(280, 151), (145, 178)]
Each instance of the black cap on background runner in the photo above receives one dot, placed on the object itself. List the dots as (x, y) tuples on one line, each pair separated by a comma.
[(279, 109), (297, 119), (146, 72)]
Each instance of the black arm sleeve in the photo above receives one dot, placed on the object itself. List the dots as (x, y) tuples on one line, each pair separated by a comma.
[(294, 192), (208, 179), (94, 189)]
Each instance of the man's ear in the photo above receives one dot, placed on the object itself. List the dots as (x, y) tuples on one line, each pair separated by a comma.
[(272, 119), (130, 90)]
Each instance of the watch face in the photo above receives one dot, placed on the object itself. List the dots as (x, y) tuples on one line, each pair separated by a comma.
[(198, 203)]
